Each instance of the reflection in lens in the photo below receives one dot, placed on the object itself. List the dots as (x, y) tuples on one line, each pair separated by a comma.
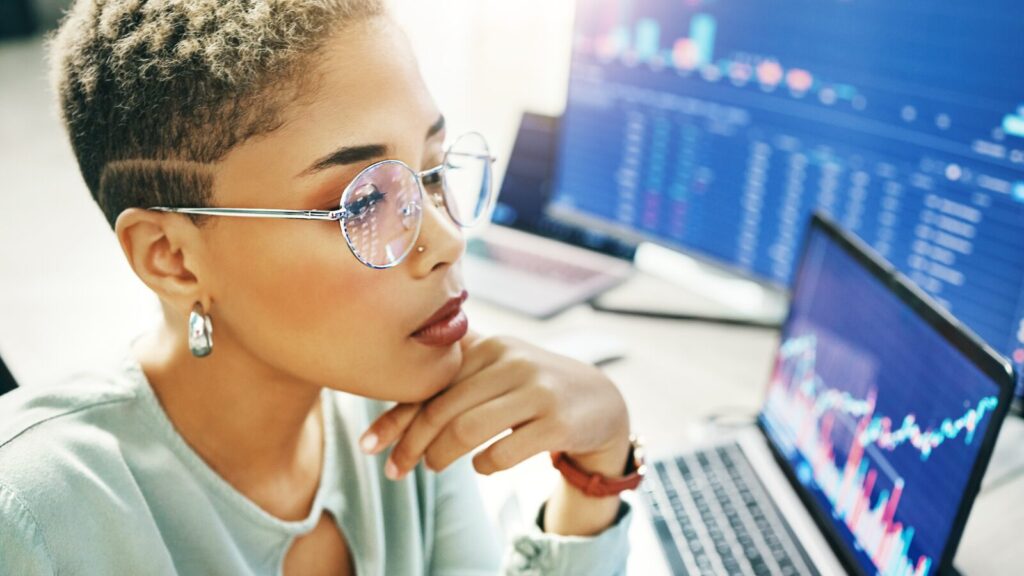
[(467, 180), (384, 213), (367, 196)]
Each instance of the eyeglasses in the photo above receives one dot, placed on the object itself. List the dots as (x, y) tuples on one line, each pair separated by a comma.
[(381, 209)]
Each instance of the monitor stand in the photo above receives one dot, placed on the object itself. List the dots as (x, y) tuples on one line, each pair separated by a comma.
[(691, 290)]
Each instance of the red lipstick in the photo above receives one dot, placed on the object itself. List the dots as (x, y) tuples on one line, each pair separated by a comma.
[(446, 326)]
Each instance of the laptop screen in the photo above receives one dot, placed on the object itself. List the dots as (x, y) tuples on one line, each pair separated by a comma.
[(878, 410)]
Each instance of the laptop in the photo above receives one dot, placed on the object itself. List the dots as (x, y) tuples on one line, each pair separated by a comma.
[(876, 427), (527, 261), (534, 275)]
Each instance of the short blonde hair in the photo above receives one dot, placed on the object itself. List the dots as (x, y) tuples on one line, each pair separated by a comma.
[(153, 92)]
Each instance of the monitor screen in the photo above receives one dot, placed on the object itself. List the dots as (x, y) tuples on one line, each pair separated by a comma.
[(526, 191), (879, 415), (717, 127)]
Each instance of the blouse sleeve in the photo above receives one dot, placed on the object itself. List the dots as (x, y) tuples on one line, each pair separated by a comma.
[(465, 541), (23, 550), (539, 552)]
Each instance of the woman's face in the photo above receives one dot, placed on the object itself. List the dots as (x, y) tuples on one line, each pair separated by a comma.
[(289, 293)]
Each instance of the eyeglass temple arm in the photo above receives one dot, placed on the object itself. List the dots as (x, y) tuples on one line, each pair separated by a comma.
[(299, 214), (259, 213)]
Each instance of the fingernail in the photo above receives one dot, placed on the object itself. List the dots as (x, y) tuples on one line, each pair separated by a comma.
[(369, 442), (390, 470)]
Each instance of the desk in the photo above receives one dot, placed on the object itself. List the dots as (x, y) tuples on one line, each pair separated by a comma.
[(677, 373)]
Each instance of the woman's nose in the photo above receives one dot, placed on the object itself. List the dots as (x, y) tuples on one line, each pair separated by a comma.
[(441, 238)]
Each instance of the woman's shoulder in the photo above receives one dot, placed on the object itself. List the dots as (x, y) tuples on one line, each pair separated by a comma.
[(71, 401), (50, 433), (69, 492)]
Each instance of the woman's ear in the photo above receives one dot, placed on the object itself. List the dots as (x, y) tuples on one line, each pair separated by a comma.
[(165, 252)]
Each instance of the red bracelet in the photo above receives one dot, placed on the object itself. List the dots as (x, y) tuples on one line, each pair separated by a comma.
[(599, 485)]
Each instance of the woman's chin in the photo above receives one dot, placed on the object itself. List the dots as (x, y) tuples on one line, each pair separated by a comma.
[(425, 383)]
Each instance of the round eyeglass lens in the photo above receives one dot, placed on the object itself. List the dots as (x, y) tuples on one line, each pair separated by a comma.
[(467, 180), (384, 206)]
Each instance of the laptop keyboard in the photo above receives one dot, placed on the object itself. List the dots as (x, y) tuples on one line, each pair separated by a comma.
[(713, 516)]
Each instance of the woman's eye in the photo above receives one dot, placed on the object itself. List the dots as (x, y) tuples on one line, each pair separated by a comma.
[(358, 207)]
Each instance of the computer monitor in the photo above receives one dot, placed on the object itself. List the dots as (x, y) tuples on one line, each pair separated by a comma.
[(716, 127), (885, 419), (526, 191)]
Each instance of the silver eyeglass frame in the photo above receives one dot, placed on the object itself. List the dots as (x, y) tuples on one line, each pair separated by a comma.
[(342, 214)]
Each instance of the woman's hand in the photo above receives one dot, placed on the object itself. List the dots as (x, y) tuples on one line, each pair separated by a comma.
[(549, 401)]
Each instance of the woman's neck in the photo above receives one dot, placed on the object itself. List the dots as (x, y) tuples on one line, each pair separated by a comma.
[(261, 432)]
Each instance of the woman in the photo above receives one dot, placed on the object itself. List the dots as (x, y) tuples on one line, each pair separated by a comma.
[(327, 427)]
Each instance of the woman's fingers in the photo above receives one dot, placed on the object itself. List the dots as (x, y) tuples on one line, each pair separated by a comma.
[(388, 426), (441, 411), (482, 401), (469, 430), (522, 443)]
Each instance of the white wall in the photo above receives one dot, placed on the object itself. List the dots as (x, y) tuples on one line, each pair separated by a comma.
[(486, 61)]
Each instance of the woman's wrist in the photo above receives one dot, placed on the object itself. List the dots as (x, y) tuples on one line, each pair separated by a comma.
[(610, 461), (572, 512)]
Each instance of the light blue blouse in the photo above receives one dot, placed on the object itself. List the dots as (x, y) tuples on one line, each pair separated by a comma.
[(94, 479)]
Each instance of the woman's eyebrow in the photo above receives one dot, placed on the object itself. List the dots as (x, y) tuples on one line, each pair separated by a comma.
[(353, 154), (436, 127), (346, 155)]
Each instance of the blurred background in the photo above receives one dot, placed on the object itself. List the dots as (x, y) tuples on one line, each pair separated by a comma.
[(67, 297)]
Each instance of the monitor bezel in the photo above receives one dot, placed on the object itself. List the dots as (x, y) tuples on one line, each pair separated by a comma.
[(962, 338)]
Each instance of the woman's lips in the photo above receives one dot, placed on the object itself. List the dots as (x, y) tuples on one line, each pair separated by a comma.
[(444, 332), (447, 329)]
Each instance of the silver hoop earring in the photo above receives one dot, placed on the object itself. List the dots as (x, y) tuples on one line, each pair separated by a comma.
[(200, 332)]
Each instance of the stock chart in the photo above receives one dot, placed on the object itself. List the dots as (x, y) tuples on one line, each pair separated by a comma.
[(879, 416)]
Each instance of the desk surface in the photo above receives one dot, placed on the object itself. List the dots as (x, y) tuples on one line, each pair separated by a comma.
[(675, 374)]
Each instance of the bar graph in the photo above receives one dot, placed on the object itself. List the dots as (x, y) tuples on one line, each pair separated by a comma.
[(640, 40), (865, 489), (699, 48)]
